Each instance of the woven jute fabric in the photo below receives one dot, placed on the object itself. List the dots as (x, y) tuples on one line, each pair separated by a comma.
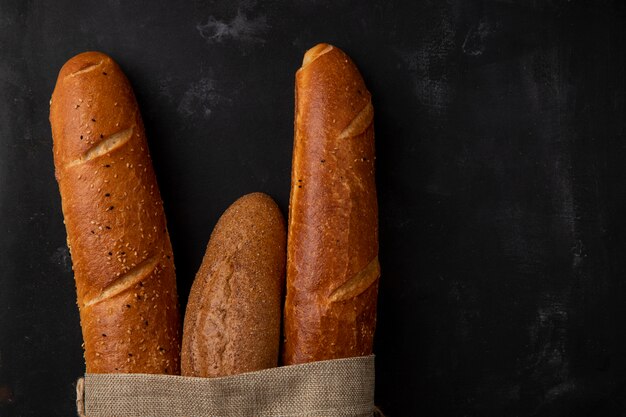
[(342, 387)]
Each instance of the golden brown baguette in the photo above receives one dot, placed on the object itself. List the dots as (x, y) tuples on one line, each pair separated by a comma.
[(116, 231), (332, 252), (232, 322)]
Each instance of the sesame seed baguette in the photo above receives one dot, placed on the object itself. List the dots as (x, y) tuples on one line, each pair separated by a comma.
[(116, 231), (332, 244), (232, 322)]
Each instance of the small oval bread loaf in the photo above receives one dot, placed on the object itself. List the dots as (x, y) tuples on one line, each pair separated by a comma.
[(232, 322), (116, 230)]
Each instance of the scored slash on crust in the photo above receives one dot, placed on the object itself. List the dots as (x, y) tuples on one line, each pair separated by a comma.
[(360, 122), (358, 283), (129, 279), (112, 142), (314, 53), (86, 69)]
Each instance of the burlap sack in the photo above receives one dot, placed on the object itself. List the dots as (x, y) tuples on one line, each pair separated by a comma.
[(343, 387)]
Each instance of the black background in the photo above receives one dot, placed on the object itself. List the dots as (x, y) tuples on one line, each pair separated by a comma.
[(501, 173)]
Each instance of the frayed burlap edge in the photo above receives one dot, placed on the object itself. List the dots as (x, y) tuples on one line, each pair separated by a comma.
[(80, 397)]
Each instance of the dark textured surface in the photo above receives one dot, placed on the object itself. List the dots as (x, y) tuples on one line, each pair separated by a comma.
[(501, 171)]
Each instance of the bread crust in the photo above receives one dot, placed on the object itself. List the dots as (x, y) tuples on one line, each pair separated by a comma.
[(116, 230), (332, 252), (232, 322)]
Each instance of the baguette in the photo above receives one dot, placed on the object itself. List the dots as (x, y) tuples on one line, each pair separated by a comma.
[(232, 322), (116, 231), (332, 249)]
